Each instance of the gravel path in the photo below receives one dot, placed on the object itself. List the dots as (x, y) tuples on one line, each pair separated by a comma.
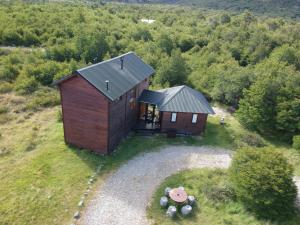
[(123, 198)]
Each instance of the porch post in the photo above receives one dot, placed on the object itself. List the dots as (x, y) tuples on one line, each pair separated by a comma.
[(153, 112)]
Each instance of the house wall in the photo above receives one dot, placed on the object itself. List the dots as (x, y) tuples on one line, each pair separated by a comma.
[(85, 115), (183, 123), (123, 114)]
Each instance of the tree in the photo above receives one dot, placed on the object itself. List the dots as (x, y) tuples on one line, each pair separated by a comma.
[(174, 72), (166, 43), (263, 181)]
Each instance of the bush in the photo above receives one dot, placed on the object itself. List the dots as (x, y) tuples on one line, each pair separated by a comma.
[(296, 142), (263, 181), (45, 97), (5, 87), (253, 140), (220, 193)]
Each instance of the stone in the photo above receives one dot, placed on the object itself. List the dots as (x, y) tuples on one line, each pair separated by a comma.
[(80, 204), (171, 212), (191, 200), (167, 191), (163, 201), (186, 210), (76, 215)]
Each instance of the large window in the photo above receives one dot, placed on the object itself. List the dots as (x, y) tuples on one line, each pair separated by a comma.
[(173, 117), (194, 118)]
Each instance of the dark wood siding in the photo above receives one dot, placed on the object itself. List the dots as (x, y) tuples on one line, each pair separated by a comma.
[(85, 115), (123, 114), (183, 123)]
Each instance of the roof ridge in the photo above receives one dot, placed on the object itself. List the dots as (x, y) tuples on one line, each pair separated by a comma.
[(181, 87), (105, 61)]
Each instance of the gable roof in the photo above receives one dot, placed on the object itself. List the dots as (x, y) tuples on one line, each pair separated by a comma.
[(120, 80), (177, 99)]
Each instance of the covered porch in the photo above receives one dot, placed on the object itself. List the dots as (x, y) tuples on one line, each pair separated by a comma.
[(149, 118)]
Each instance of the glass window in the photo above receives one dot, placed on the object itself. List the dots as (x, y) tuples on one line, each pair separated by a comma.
[(194, 118), (173, 117)]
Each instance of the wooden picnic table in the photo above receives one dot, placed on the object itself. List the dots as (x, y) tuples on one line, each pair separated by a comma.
[(178, 195)]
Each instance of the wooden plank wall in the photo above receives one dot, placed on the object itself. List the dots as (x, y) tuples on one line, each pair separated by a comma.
[(85, 115), (122, 117), (183, 123)]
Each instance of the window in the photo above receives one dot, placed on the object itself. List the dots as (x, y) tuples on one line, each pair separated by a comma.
[(194, 118), (173, 117)]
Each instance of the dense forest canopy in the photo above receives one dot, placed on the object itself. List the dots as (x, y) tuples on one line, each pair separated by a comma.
[(245, 61), (286, 8)]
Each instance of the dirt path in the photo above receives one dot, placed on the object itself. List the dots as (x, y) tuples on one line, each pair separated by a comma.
[(123, 198)]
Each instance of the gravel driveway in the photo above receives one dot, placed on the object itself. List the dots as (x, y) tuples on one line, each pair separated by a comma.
[(123, 198)]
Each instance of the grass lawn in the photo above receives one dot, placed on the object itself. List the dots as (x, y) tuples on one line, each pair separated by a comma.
[(212, 207), (42, 179)]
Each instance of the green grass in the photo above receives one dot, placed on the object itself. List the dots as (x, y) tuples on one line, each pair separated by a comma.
[(42, 179), (208, 211)]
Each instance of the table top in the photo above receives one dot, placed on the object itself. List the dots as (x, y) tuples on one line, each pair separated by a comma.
[(178, 195)]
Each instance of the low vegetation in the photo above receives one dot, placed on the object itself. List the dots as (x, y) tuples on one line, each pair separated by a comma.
[(216, 201)]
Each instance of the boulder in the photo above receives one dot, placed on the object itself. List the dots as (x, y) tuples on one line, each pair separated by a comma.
[(167, 191), (181, 188), (191, 200), (171, 212), (186, 210), (163, 201)]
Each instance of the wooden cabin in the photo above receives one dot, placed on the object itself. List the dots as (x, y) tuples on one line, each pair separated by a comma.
[(101, 103)]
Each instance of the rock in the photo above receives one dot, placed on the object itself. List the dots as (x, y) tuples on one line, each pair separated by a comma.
[(76, 215), (186, 210), (80, 204), (85, 193), (163, 201), (191, 200), (167, 191), (171, 212), (181, 188)]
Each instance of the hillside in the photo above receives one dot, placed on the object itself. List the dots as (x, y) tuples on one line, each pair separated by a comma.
[(285, 8)]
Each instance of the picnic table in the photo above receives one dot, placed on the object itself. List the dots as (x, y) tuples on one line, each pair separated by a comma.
[(178, 195)]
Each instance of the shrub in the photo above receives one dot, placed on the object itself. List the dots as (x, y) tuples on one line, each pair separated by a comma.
[(253, 140), (219, 193), (263, 181), (45, 97), (5, 87), (296, 142), (25, 84)]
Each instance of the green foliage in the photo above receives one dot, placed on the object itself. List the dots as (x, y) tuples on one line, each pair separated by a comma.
[(242, 60), (174, 71), (263, 180), (296, 142), (272, 102), (252, 139)]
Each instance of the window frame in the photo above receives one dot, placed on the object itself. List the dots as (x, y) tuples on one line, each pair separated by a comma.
[(171, 119), (196, 120)]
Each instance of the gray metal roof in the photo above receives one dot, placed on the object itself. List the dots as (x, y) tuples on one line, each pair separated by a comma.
[(120, 80), (177, 99)]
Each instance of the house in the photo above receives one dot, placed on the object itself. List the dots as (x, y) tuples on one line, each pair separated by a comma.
[(101, 103)]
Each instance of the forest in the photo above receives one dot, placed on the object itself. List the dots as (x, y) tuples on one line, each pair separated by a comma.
[(247, 62), (285, 8)]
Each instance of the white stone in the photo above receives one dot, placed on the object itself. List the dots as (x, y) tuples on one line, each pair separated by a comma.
[(181, 188), (163, 201), (167, 191), (80, 204), (186, 210), (76, 215), (171, 212), (191, 199)]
